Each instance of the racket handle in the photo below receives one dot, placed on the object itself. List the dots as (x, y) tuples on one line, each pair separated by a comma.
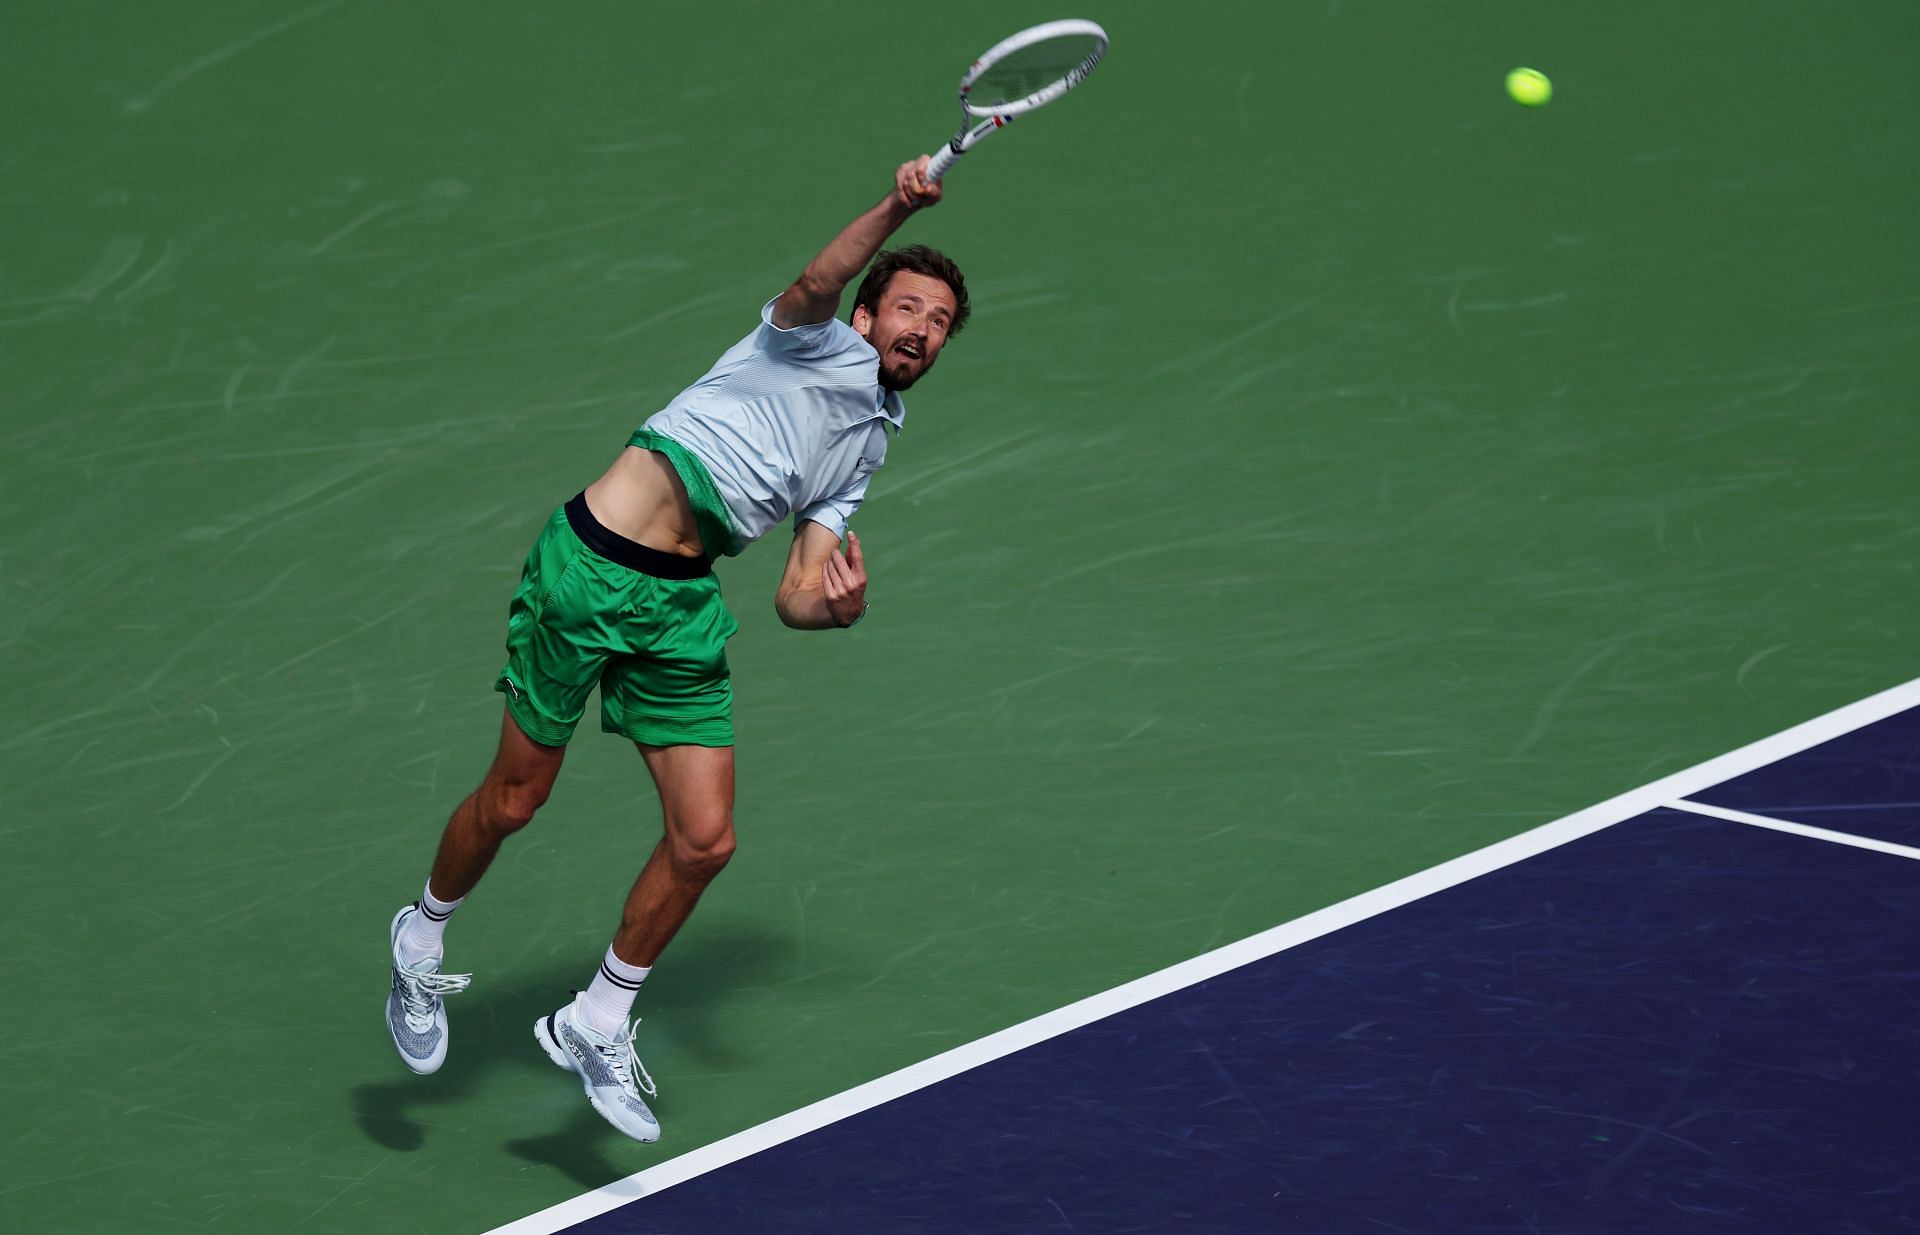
[(943, 159)]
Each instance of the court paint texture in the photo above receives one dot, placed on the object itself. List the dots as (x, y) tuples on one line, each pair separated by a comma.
[(1660, 1013), (1334, 480)]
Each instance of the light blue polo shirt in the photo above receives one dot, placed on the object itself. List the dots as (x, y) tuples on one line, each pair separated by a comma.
[(788, 422)]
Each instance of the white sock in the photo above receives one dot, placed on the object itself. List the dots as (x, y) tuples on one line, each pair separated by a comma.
[(609, 1001), (423, 935)]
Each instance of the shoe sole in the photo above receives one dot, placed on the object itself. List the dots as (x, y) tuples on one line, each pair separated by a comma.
[(549, 1040)]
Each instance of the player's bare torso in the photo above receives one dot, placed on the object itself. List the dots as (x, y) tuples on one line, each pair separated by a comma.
[(641, 498)]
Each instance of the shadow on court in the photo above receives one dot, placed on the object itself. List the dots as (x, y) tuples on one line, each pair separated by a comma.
[(491, 1028)]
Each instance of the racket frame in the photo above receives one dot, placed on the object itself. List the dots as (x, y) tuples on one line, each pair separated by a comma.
[(999, 115)]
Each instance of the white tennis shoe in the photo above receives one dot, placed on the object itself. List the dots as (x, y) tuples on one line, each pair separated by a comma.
[(416, 1013), (612, 1073)]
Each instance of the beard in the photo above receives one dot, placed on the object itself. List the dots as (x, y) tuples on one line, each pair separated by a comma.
[(898, 373)]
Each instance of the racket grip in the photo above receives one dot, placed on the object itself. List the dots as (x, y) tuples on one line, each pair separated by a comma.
[(943, 158)]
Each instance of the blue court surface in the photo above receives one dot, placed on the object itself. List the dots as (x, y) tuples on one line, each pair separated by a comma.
[(1693, 1009)]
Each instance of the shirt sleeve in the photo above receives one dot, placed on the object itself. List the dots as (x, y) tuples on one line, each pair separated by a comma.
[(815, 339), (833, 512)]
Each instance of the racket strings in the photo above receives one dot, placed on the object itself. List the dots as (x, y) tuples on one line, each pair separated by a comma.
[(1028, 71)]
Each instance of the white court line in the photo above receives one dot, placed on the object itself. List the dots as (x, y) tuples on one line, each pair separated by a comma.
[(1663, 792), (1798, 829)]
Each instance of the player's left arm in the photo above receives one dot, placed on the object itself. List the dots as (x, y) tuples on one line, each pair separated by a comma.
[(822, 588)]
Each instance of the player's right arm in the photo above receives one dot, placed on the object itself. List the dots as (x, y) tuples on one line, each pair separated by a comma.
[(815, 295)]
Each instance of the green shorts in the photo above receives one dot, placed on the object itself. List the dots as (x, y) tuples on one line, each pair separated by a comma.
[(648, 628)]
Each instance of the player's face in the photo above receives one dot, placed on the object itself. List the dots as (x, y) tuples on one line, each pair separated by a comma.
[(909, 326)]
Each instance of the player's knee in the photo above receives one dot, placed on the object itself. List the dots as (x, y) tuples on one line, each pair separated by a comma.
[(511, 806), (700, 853)]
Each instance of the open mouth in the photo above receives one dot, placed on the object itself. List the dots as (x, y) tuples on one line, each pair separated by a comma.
[(909, 349)]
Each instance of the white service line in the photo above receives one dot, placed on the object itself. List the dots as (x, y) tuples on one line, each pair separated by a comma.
[(1667, 791), (1798, 829)]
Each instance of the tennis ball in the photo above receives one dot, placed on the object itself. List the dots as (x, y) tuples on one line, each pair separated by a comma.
[(1529, 87)]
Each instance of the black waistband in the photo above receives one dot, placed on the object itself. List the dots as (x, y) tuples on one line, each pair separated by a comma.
[(630, 553)]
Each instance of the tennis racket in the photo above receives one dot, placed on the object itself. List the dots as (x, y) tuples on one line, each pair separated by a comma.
[(1018, 75)]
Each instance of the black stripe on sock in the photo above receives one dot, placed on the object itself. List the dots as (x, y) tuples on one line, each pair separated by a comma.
[(430, 914), (623, 983)]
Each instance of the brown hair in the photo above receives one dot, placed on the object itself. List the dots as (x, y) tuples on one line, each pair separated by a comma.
[(914, 259)]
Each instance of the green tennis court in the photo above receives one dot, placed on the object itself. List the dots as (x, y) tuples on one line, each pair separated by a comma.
[(1345, 468)]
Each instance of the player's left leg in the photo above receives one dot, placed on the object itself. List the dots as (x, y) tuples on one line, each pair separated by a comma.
[(673, 697), (591, 1035), (696, 803)]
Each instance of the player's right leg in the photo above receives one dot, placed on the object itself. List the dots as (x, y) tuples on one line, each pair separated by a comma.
[(554, 655), (516, 786)]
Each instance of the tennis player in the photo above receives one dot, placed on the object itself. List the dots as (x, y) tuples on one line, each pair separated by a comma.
[(619, 592)]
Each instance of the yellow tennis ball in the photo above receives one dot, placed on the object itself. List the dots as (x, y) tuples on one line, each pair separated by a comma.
[(1529, 87)]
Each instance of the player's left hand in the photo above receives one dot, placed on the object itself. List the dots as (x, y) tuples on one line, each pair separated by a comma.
[(845, 576), (916, 191)]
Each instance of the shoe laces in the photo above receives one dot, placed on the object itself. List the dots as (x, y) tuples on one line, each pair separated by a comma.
[(422, 989), (625, 1061)]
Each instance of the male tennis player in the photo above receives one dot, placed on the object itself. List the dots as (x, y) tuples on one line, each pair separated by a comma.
[(619, 592)]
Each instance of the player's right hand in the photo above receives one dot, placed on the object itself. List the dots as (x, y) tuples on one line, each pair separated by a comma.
[(916, 191)]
